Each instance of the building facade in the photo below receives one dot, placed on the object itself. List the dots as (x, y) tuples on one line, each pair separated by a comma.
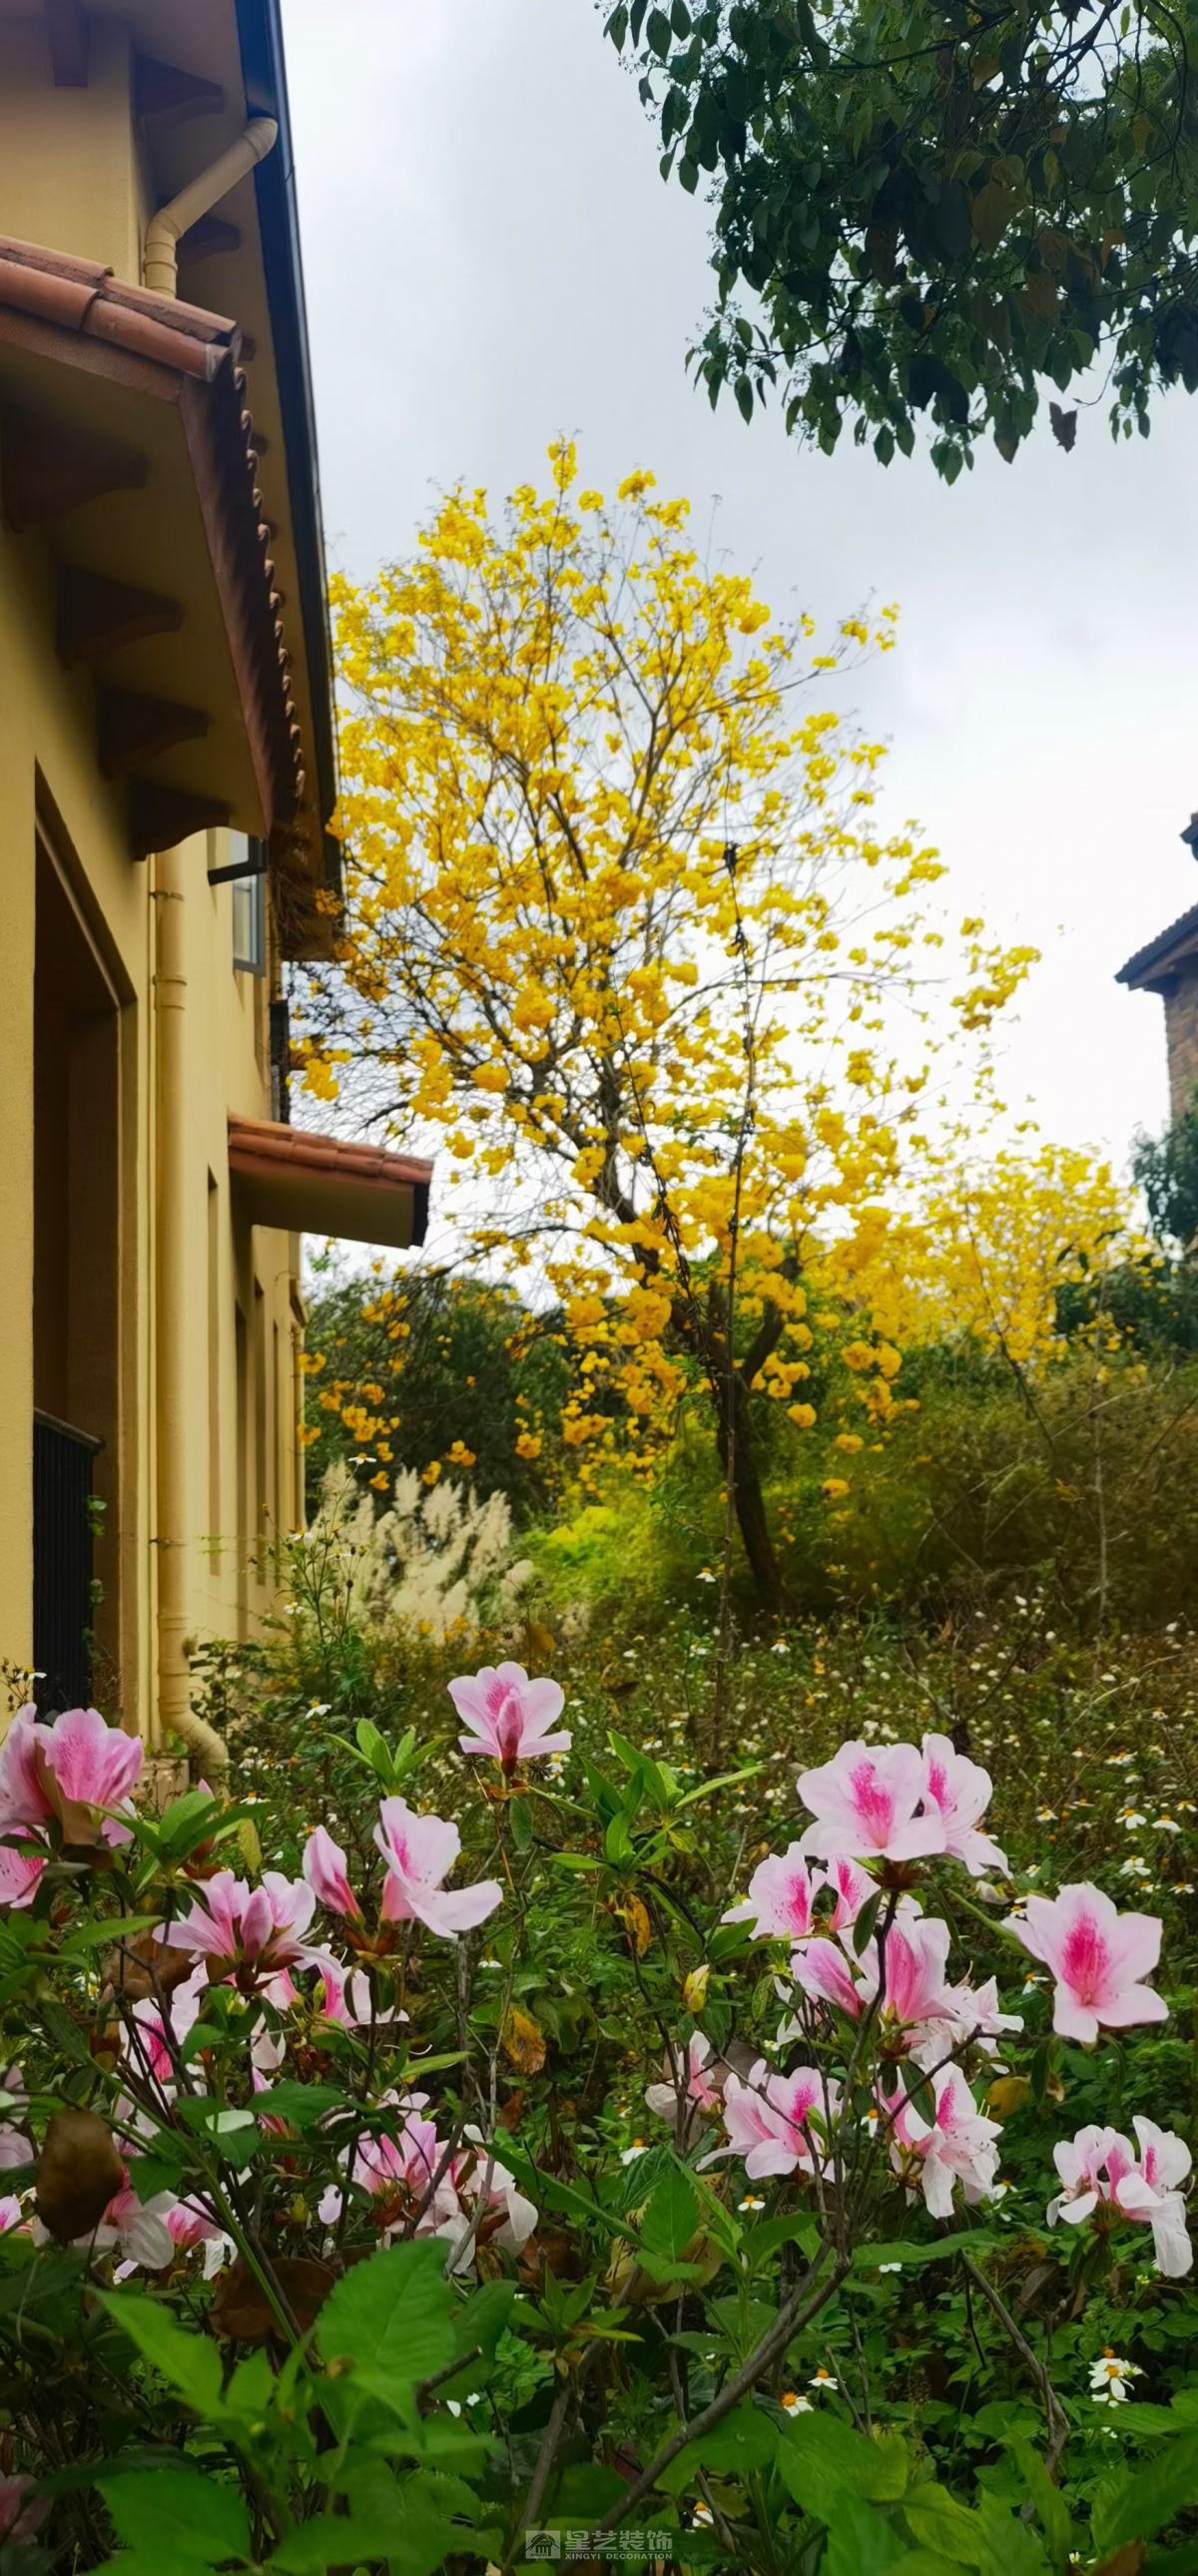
[(166, 787), (1168, 965)]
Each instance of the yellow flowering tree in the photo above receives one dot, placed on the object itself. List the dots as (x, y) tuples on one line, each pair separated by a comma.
[(623, 927)]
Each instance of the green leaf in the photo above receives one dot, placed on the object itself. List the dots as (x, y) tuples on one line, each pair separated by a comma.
[(1051, 2509), (743, 391), (393, 2317), (189, 2362), (173, 2517), (303, 2106), (1011, 2547), (671, 2218), (617, 26), (1150, 2500), (935, 2519), (822, 2460), (658, 33), (747, 2440), (870, 2258), (860, 2543)]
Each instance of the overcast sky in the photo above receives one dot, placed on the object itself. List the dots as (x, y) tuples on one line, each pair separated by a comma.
[(491, 257)]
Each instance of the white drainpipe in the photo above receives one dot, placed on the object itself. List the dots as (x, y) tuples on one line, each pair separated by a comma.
[(160, 258)]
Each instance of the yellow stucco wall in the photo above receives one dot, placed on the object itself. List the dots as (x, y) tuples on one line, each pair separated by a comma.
[(83, 1196), (70, 163), (48, 770)]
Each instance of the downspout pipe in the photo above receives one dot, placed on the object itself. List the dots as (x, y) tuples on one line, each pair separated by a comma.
[(175, 1715), (160, 257)]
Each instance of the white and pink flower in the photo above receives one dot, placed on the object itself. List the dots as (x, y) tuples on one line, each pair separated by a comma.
[(22, 1861), (72, 1769), (189, 2225), (699, 2090), (326, 1870), (959, 1791), (868, 1804), (491, 2209), (508, 1715), (781, 1900), (1098, 1959), (957, 2146), (913, 1988), (244, 1932), (1102, 2177), (767, 2118), (398, 2169), (419, 1852)]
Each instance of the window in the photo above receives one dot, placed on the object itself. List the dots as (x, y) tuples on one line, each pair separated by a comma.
[(249, 924), (245, 871)]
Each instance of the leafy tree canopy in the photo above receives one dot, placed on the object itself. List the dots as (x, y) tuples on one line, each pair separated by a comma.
[(936, 208), (1166, 1169), (430, 1371)]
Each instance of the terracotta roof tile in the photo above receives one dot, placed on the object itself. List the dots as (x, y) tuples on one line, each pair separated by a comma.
[(82, 296), (1157, 956)]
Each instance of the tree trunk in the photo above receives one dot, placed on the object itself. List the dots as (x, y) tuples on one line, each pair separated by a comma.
[(749, 1504)]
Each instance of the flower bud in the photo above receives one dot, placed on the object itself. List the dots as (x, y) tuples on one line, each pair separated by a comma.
[(694, 1992), (78, 2172)]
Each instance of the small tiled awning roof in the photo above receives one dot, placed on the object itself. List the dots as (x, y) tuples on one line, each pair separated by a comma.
[(306, 1184), (1152, 967)]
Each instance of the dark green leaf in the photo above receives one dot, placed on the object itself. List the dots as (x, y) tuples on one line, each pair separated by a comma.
[(393, 2317), (189, 2362), (175, 2518)]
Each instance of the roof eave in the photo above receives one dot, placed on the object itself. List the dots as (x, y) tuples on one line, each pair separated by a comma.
[(260, 38)]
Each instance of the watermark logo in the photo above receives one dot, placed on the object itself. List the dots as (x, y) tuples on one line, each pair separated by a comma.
[(632, 2547)]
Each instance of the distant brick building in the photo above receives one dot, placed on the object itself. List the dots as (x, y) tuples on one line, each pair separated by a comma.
[(1169, 966)]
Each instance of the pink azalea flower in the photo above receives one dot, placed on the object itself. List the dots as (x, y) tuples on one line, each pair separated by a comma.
[(781, 1898), (1097, 1957), (135, 2229), (508, 1715), (865, 1802), (767, 2116), (77, 1761), (21, 1866), (853, 1886), (969, 2016), (932, 2156), (16, 2147), (1081, 2164), (1165, 2159), (11, 2213), (916, 1958), (1099, 2169), (699, 2092), (241, 1930), (23, 1799), (327, 1872), (483, 2187), (824, 1973), (22, 2509), (959, 1791), (398, 2170), (189, 2225), (147, 2048), (419, 1852), (347, 1997)]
